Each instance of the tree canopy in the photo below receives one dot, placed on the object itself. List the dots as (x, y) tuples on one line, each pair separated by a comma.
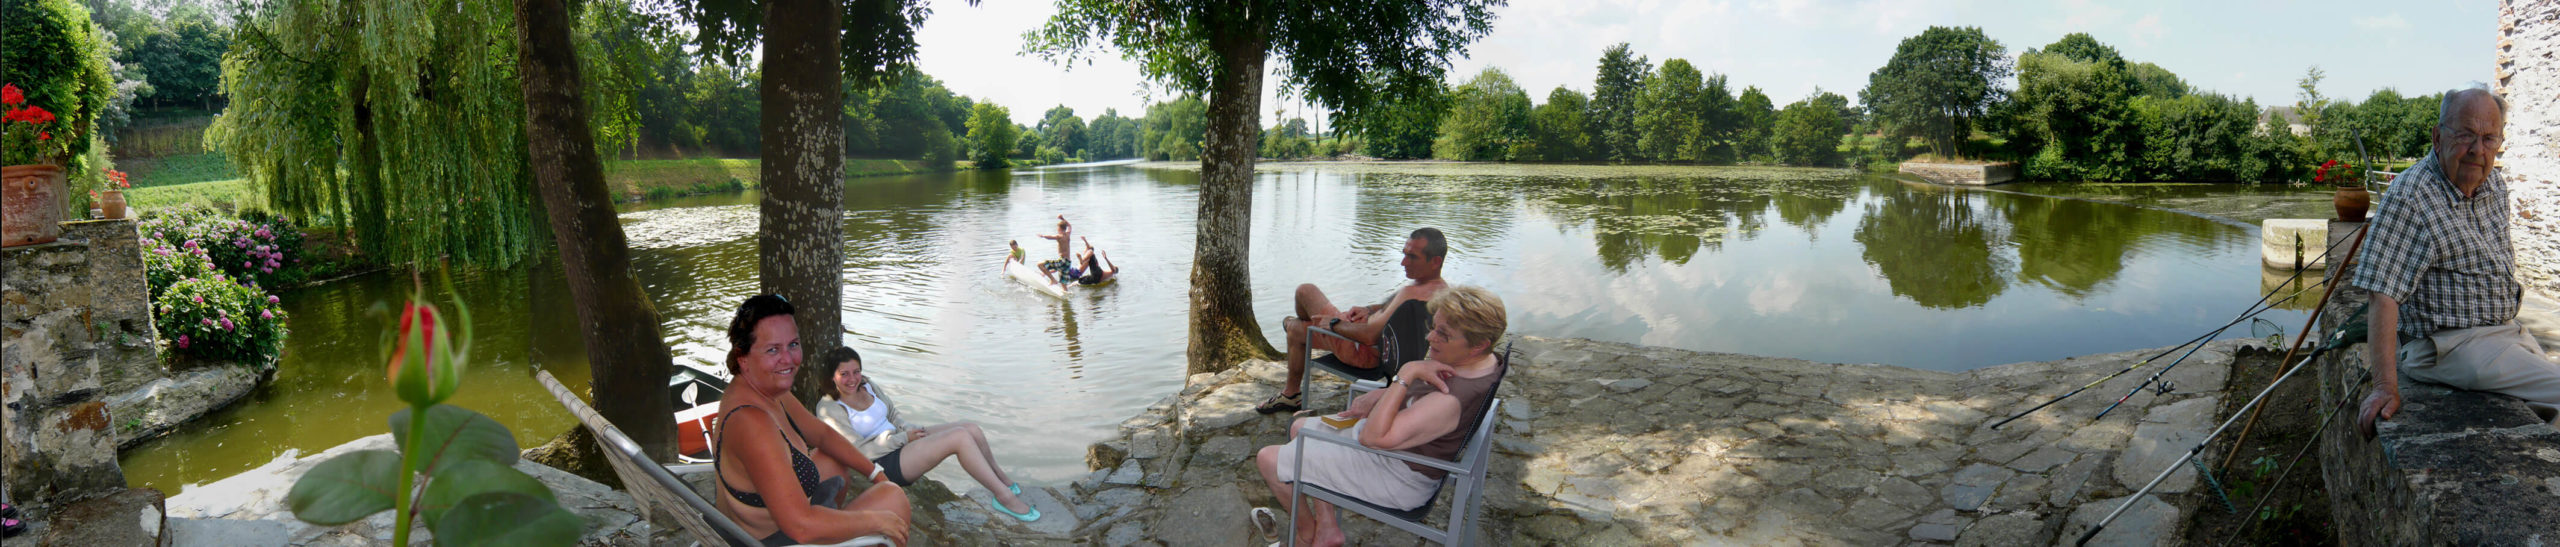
[(1937, 84), (1488, 117), (1613, 103)]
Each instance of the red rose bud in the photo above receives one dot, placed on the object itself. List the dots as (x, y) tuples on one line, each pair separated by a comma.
[(435, 377)]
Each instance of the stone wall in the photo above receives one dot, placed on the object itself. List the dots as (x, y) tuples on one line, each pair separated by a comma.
[(2529, 77), (1963, 174), (55, 441), (2453, 467), (128, 354)]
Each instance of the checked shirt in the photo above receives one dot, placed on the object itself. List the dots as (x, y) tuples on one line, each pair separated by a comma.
[(2444, 256)]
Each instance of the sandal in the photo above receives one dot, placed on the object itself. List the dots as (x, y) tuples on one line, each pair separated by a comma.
[(1280, 403), (1033, 515), (1267, 523)]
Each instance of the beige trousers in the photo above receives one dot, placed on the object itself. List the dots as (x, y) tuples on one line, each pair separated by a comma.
[(2499, 358)]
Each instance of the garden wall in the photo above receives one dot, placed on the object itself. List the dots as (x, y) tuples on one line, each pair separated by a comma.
[(56, 444), (2529, 77)]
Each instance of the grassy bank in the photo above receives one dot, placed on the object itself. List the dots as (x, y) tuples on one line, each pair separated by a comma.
[(178, 180)]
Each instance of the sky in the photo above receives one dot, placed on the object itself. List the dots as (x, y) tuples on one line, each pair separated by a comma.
[(2248, 48)]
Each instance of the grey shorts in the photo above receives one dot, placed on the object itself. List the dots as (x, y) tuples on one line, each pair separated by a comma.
[(1377, 479)]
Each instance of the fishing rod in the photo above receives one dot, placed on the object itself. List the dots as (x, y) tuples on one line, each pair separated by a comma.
[(2297, 342), (2350, 335), (2323, 429), (2246, 314), (2325, 293)]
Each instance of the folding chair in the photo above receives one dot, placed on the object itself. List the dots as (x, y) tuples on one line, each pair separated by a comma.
[(1400, 342), (1469, 473)]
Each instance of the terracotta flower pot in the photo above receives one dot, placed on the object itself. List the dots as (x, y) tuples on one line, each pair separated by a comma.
[(2352, 202), (111, 202), (31, 198)]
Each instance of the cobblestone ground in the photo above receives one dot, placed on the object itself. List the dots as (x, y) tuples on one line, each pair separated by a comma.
[(1598, 444), (1604, 443)]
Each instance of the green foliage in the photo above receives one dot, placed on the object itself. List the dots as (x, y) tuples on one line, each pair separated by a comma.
[(1561, 128), (52, 52), (1062, 130), (878, 40), (2153, 81), (1614, 93), (1399, 130), (1683, 116), (1937, 84), (1172, 131), (2210, 137), (1049, 156), (1759, 120), (1351, 57), (222, 319), (1807, 132), (991, 135), (178, 52), (401, 121), (1487, 118), (254, 247), (1115, 137), (911, 117), (1288, 140), (2073, 111)]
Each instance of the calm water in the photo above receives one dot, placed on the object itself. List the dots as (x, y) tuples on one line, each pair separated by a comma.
[(1812, 264)]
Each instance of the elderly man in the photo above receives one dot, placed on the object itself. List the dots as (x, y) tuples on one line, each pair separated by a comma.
[(2442, 272), (1424, 252)]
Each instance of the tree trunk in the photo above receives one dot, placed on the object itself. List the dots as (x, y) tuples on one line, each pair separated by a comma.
[(1223, 330), (800, 243), (626, 354)]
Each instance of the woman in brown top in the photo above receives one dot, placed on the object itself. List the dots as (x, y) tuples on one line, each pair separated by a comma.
[(1429, 410)]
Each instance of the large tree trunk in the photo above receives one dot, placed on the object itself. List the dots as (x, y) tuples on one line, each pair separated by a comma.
[(626, 355), (1223, 330), (800, 244)]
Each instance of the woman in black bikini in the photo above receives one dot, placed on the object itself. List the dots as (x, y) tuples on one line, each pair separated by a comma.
[(781, 480)]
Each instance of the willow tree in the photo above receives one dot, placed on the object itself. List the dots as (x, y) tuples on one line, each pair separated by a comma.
[(398, 121), (1328, 51), (812, 48)]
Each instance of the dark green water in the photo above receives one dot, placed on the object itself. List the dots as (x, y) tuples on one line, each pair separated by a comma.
[(1812, 264)]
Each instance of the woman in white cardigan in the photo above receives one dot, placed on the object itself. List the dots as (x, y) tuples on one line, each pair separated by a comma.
[(855, 407)]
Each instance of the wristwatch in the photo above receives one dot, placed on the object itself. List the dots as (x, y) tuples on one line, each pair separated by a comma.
[(1335, 324)]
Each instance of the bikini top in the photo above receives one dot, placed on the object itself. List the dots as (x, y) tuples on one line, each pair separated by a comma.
[(801, 466)]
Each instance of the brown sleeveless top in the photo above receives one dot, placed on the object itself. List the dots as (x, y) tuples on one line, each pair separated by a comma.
[(1472, 394)]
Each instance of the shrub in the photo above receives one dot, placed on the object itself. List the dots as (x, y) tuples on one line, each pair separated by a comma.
[(218, 318), (258, 247), (164, 265)]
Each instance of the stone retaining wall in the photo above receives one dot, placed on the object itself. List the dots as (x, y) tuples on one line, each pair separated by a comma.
[(2453, 467), (55, 441), (1963, 174), (128, 352), (2529, 78)]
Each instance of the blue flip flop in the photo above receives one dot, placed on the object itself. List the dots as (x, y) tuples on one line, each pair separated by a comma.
[(1025, 517)]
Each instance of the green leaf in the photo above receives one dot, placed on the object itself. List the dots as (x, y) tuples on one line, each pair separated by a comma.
[(346, 488), (472, 477), (455, 434), (508, 518)]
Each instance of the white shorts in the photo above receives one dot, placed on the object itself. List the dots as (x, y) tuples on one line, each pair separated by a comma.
[(1377, 479), (2499, 358)]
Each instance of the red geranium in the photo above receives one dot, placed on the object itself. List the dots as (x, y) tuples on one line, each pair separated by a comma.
[(9, 95)]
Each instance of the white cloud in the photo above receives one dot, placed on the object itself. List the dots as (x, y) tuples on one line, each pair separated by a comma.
[(2148, 28), (2386, 22)]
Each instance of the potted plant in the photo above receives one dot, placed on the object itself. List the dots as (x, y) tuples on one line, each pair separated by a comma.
[(30, 184), (111, 204), (2352, 200)]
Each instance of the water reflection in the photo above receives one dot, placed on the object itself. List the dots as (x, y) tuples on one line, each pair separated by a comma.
[(1934, 247), (1747, 260)]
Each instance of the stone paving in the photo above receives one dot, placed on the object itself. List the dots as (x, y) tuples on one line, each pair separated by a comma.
[(1604, 443), (1598, 444)]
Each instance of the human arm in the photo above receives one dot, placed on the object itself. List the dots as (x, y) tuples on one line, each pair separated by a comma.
[(2382, 352), (831, 442), (763, 453), (1394, 425)]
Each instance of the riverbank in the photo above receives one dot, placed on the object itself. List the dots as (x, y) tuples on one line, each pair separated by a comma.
[(1606, 443)]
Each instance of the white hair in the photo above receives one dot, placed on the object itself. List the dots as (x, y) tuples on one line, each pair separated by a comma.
[(2459, 97)]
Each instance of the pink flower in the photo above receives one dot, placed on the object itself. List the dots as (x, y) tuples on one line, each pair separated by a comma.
[(199, 299), (182, 341), (207, 321), (226, 323), (271, 299), (266, 314)]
